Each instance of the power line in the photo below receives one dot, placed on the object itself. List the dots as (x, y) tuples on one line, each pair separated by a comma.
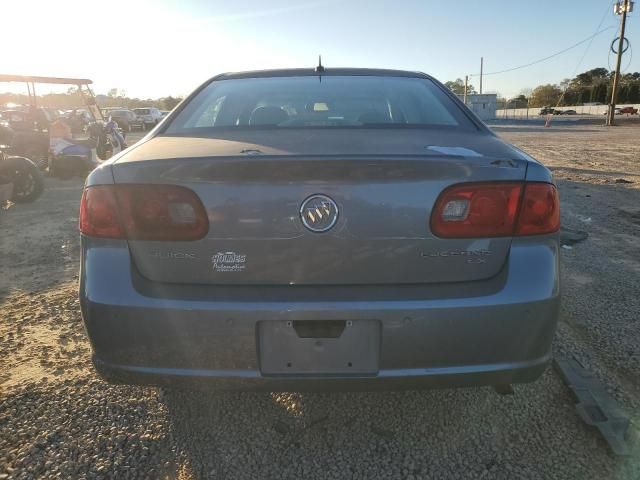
[(604, 15), (566, 88), (546, 58)]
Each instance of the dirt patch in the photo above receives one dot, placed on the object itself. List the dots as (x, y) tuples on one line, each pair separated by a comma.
[(43, 337)]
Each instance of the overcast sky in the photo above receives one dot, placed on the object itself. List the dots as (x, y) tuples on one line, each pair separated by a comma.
[(152, 48)]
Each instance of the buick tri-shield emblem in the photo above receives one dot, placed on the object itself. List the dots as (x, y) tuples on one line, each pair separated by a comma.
[(319, 213)]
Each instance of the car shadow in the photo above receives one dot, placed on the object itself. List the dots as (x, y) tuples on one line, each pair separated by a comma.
[(429, 434)]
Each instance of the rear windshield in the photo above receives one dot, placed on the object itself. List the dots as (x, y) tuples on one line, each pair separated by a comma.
[(312, 102), (142, 111)]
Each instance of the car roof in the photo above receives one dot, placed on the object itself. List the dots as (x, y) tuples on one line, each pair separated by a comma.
[(312, 72)]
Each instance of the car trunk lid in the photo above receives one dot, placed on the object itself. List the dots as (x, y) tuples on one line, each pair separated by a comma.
[(253, 186)]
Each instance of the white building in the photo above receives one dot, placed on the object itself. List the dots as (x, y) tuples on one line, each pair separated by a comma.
[(484, 106)]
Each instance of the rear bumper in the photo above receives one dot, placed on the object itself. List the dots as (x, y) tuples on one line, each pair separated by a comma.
[(467, 334), (252, 380)]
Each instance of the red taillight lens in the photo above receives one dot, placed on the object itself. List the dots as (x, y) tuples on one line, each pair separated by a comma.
[(477, 210), (161, 212), (143, 212), (99, 213), (540, 210)]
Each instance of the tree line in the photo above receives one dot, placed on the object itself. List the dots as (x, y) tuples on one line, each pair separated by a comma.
[(592, 86), (71, 99)]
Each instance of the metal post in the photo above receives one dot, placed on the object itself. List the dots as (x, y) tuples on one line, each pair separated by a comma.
[(616, 76), (466, 85), (481, 68)]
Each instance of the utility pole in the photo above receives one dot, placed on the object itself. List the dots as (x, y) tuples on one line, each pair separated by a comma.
[(466, 86), (481, 66), (620, 8)]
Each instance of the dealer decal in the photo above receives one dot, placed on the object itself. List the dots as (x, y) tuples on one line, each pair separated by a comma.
[(472, 256), (228, 262)]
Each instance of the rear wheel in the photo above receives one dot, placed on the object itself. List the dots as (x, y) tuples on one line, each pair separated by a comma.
[(27, 180)]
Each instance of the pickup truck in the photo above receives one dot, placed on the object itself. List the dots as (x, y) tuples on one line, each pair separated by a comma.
[(627, 110), (623, 110)]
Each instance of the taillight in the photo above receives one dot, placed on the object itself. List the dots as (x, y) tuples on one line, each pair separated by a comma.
[(99, 213), (540, 210), (143, 212), (476, 210)]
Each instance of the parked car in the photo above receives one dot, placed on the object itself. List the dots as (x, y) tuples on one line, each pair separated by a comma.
[(23, 120), (150, 116), (126, 120), (627, 110), (550, 111), (623, 110), (164, 113), (568, 112), (107, 111), (285, 233)]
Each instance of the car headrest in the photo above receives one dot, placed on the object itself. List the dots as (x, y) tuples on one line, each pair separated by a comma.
[(268, 115)]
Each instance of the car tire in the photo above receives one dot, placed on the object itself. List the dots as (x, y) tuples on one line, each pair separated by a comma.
[(28, 183)]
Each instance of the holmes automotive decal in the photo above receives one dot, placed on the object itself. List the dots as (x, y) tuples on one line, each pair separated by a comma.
[(228, 262)]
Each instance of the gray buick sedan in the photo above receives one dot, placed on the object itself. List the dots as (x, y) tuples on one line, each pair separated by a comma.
[(320, 229)]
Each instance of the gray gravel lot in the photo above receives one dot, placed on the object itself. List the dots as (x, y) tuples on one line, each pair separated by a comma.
[(59, 420)]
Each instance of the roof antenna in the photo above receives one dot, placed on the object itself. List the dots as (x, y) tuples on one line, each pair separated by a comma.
[(320, 68)]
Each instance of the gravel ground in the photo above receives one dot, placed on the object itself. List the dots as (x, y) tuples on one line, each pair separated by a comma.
[(58, 420)]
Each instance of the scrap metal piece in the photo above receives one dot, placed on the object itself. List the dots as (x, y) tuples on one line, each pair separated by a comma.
[(569, 236), (594, 405)]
